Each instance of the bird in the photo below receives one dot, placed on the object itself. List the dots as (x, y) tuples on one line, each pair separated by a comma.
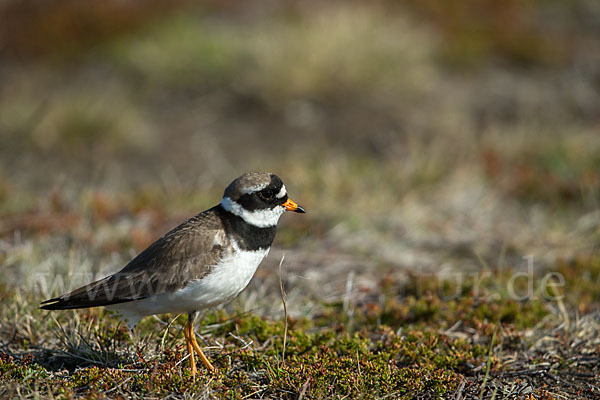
[(202, 263)]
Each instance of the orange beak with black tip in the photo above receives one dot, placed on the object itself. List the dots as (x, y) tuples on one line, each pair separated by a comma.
[(290, 205)]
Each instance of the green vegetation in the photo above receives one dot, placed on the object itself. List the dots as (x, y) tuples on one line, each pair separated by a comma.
[(406, 344)]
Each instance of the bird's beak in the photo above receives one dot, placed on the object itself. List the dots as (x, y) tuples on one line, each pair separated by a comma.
[(292, 206)]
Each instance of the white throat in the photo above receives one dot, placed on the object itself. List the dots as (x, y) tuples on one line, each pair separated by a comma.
[(258, 218)]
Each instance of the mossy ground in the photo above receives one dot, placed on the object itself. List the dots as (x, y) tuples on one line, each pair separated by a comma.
[(404, 346)]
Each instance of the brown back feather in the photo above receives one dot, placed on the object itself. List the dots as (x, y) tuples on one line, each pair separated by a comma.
[(186, 253)]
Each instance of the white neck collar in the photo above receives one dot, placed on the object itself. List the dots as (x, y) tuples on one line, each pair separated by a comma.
[(259, 218)]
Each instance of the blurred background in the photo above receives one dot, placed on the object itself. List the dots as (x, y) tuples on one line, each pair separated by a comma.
[(418, 135)]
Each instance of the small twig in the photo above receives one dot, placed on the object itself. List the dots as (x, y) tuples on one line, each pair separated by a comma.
[(253, 394), (285, 329), (303, 389), (247, 345), (120, 384), (559, 379), (182, 360), (459, 390), (527, 372)]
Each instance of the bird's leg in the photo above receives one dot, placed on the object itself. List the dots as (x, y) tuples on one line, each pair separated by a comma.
[(207, 364), (189, 327)]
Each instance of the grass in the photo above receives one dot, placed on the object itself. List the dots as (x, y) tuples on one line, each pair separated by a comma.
[(412, 340)]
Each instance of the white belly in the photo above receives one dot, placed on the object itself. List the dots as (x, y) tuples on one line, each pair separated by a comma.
[(226, 280)]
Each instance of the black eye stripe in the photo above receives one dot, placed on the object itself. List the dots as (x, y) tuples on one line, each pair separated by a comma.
[(267, 193), (252, 202)]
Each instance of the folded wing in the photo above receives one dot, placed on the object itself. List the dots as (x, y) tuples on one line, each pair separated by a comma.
[(184, 254)]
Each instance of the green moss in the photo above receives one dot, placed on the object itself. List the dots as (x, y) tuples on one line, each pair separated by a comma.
[(20, 370), (402, 347)]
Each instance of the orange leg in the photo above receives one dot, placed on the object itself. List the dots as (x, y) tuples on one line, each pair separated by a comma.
[(203, 358), (188, 342), (192, 344)]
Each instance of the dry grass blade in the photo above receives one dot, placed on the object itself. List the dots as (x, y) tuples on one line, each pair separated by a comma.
[(488, 363), (285, 328)]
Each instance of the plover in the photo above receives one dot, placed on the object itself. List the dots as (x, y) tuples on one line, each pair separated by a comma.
[(206, 261)]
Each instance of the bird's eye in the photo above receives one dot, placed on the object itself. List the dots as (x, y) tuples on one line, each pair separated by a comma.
[(266, 194)]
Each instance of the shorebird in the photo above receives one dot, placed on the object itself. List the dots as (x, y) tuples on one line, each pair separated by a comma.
[(206, 261)]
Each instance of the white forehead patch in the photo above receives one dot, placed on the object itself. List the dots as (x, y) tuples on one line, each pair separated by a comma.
[(259, 218), (254, 189), (281, 193)]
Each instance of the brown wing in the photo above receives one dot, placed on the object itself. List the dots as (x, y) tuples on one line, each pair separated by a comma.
[(186, 253)]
